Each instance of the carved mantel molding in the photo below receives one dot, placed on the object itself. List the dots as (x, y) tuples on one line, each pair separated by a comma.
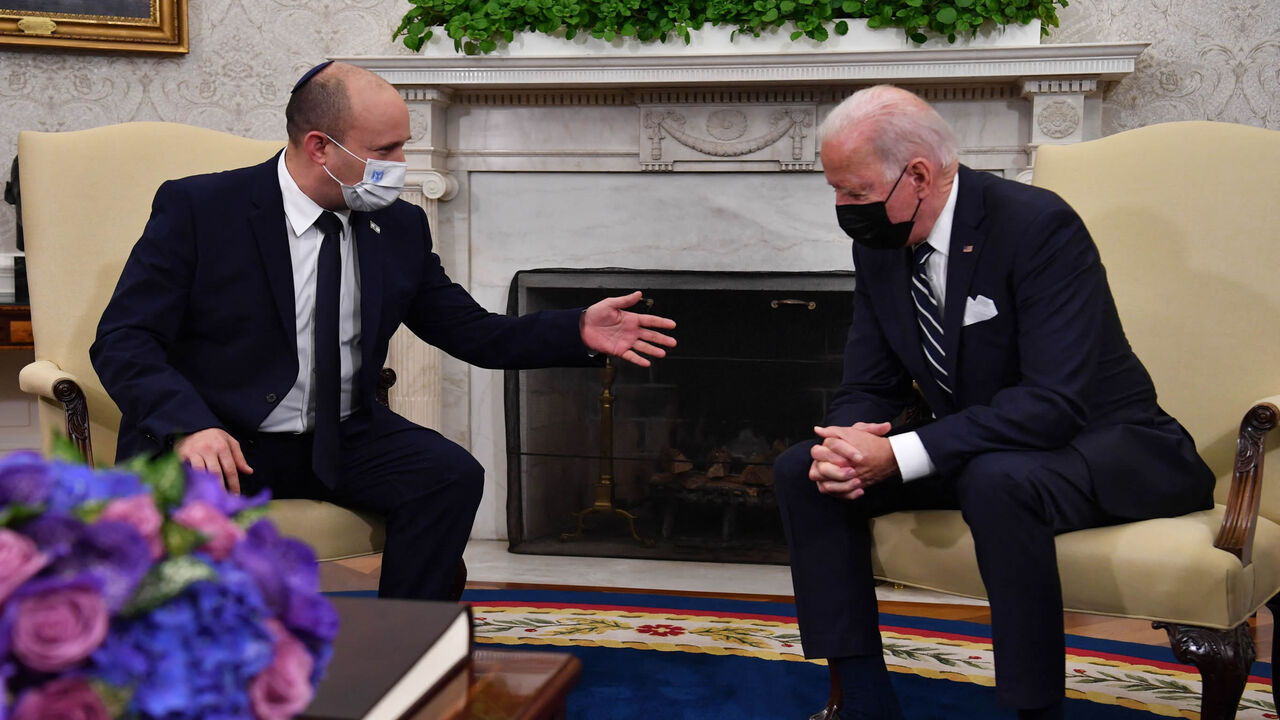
[(776, 100), (1098, 61)]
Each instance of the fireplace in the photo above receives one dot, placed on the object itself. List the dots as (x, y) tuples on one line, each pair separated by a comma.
[(609, 161), (672, 461)]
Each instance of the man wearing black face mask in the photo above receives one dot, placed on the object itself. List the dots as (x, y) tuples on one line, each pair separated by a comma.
[(991, 297)]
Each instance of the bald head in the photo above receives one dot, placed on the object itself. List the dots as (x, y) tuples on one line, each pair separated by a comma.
[(324, 103), (896, 123), (340, 118)]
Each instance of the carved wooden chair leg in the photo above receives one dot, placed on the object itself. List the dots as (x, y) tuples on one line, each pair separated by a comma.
[(1223, 658), (834, 701)]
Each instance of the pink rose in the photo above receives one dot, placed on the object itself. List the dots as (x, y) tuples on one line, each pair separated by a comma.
[(204, 518), (56, 628), (68, 698), (283, 688), (140, 513), (20, 560)]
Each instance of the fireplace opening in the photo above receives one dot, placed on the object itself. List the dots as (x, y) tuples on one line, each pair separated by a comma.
[(672, 461)]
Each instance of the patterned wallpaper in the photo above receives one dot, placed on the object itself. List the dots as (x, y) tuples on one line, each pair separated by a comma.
[(1209, 60)]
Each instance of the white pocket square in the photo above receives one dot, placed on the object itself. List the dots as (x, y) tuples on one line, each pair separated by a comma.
[(977, 309)]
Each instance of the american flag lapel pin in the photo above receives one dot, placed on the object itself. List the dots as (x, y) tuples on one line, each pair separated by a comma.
[(967, 248), (374, 227)]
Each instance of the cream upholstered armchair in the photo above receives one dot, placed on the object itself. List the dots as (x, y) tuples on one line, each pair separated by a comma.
[(86, 196), (1186, 218)]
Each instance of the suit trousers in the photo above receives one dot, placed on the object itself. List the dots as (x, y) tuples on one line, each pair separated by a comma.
[(1014, 503), (426, 487)]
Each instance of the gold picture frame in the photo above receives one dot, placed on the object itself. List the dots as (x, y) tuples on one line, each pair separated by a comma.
[(151, 26)]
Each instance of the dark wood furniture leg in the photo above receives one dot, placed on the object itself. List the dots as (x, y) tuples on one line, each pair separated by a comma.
[(1223, 658)]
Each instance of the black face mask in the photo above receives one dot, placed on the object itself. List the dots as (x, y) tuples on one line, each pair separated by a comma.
[(869, 224)]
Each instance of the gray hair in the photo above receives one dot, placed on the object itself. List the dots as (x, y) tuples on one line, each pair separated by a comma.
[(902, 127)]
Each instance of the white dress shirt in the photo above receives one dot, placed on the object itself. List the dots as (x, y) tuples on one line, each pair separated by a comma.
[(913, 460), (296, 412)]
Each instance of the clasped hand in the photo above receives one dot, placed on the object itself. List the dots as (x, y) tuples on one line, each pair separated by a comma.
[(850, 459), (607, 327)]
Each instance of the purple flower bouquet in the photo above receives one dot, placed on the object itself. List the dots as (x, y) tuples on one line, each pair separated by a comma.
[(146, 591)]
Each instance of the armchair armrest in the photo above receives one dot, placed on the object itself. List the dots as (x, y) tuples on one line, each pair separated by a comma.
[(1238, 524), (45, 379), (40, 378)]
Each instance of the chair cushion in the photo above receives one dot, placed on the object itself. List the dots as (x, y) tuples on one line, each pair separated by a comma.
[(333, 532), (1164, 569)]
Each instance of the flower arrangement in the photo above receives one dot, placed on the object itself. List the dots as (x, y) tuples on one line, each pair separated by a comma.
[(146, 591)]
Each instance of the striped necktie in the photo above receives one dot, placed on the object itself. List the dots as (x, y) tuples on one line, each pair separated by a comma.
[(928, 316)]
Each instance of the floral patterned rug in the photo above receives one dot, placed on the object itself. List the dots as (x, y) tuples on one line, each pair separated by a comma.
[(1103, 678)]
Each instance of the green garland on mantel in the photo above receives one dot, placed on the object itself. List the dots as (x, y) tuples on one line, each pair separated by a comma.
[(478, 26)]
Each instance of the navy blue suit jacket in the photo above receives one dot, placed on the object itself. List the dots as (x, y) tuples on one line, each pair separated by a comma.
[(200, 331), (1051, 369)]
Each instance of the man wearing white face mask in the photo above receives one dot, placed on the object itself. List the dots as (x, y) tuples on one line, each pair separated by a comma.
[(252, 319)]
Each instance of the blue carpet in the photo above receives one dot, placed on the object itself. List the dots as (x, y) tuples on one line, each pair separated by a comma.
[(622, 682)]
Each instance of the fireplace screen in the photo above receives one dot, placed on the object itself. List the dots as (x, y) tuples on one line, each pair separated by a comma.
[(672, 461)]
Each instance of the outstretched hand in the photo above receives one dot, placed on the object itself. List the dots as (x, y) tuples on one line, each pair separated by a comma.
[(607, 327)]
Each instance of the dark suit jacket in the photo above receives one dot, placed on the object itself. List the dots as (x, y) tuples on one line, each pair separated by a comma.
[(200, 331), (1052, 368)]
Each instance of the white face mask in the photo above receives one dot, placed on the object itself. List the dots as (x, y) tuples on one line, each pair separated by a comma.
[(382, 183)]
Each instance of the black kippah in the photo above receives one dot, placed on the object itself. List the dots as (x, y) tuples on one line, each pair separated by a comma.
[(309, 74)]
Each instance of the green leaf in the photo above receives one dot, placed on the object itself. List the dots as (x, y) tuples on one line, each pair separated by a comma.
[(947, 15), (168, 480), (165, 582), (249, 516), (786, 6), (964, 3), (919, 37), (796, 35), (65, 450), (179, 539), (114, 699), (770, 16), (842, 28), (15, 514), (88, 512)]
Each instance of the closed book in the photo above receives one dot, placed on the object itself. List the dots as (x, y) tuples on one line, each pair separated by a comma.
[(396, 659)]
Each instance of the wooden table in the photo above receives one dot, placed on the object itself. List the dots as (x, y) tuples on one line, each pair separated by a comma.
[(520, 684), (15, 327)]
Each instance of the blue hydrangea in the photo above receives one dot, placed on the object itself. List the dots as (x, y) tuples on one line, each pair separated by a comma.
[(75, 485), (25, 479), (193, 657)]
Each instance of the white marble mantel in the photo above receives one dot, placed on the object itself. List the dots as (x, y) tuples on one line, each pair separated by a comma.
[(681, 161), (1094, 61)]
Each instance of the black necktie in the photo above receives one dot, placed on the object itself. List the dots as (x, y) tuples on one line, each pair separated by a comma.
[(929, 317), (327, 441)]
